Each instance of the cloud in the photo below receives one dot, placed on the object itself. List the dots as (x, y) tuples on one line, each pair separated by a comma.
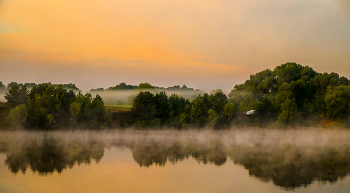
[(165, 41)]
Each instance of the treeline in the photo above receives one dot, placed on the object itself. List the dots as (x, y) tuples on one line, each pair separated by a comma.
[(291, 94), (48, 107), (145, 85), (124, 94), (155, 110), (29, 86)]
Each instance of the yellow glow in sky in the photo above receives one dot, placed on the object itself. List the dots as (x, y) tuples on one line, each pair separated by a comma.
[(202, 44)]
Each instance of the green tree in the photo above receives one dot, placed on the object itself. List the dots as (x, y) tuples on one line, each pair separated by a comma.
[(179, 111), (319, 85), (75, 110), (145, 85), (199, 109), (337, 102), (228, 112), (217, 101), (16, 95), (288, 110), (143, 108), (17, 116), (161, 106), (48, 106), (289, 72), (213, 118), (90, 111)]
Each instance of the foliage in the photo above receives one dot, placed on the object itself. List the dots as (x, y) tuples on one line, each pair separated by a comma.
[(143, 107), (89, 111), (228, 112), (288, 110), (288, 94), (50, 107), (145, 85), (337, 102), (199, 110), (123, 86), (17, 116), (290, 90), (16, 95)]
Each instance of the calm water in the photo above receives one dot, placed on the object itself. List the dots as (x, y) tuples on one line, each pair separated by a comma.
[(242, 160)]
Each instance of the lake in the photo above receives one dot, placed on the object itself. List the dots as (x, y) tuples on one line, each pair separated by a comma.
[(237, 160)]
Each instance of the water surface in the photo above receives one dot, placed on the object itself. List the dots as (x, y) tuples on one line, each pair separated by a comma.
[(241, 160)]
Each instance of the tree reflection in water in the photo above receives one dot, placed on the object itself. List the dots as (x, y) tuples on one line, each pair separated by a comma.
[(287, 165), (49, 154)]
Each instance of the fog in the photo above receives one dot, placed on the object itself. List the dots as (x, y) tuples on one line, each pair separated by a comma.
[(2, 96), (289, 158), (126, 97), (248, 137)]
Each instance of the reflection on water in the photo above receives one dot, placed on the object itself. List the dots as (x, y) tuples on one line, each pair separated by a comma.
[(289, 159), (47, 155)]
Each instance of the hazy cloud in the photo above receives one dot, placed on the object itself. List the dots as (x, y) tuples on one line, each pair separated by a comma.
[(209, 45)]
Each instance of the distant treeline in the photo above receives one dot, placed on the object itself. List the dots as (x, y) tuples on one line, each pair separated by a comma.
[(291, 94), (145, 85), (123, 94), (29, 86)]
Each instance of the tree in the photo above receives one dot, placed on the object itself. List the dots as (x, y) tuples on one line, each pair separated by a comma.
[(213, 118), (199, 109), (216, 91), (218, 100), (17, 116), (16, 95), (288, 110), (143, 108), (75, 110), (48, 107), (123, 86), (145, 85), (288, 72), (89, 111), (179, 111), (337, 102), (161, 106), (228, 112)]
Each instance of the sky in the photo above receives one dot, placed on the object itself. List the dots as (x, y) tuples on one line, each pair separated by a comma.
[(203, 44)]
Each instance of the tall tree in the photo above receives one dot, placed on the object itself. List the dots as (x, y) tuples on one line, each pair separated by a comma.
[(16, 95), (143, 107)]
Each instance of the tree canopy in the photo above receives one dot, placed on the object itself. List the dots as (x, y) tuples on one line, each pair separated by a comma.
[(291, 94)]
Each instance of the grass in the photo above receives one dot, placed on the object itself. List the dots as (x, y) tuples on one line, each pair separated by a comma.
[(118, 108)]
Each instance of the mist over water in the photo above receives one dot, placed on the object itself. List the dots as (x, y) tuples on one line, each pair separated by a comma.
[(289, 158)]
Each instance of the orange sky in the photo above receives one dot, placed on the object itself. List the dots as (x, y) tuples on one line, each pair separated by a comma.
[(201, 44)]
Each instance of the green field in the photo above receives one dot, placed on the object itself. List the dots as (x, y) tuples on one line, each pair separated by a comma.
[(118, 108)]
